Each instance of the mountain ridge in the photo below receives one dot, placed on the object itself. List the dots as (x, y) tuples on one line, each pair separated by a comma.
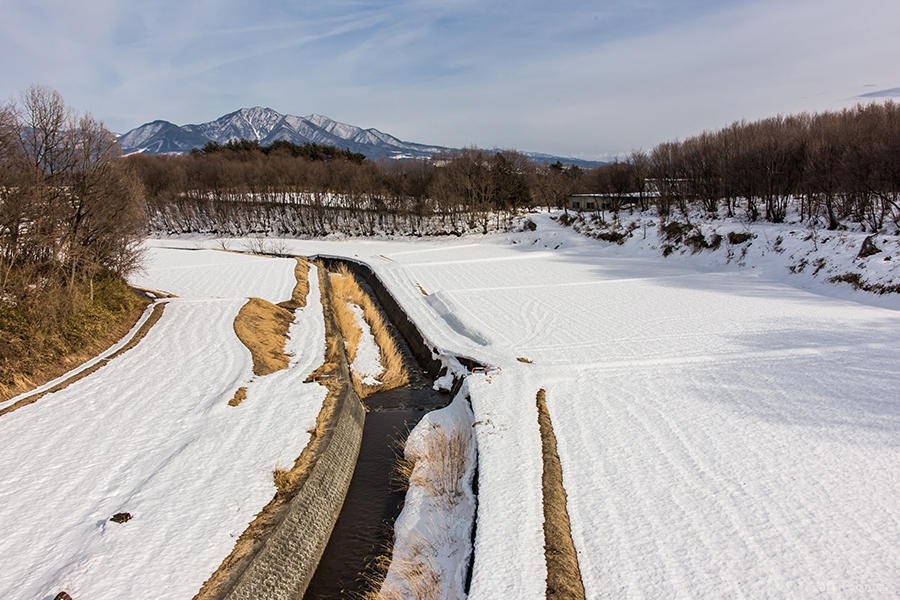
[(266, 125)]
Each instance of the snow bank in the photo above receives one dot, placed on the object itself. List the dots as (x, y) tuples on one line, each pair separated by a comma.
[(432, 535), (367, 363)]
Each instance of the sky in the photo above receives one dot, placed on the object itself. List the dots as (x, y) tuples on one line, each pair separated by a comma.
[(573, 78)]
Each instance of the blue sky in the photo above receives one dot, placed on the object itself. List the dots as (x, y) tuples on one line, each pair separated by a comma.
[(588, 79)]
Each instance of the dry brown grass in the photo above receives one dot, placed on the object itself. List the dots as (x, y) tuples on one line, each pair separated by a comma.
[(438, 466), (418, 578), (301, 289), (263, 327), (563, 573), (138, 336), (443, 457), (421, 289), (333, 352), (522, 359), (239, 396), (33, 352), (345, 289)]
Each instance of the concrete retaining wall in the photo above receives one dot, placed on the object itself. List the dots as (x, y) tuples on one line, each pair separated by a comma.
[(284, 567)]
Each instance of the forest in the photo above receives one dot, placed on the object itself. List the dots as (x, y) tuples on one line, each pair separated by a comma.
[(833, 166)]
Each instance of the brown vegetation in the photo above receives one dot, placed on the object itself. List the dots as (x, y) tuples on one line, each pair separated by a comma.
[(345, 289), (71, 217), (833, 165), (563, 573), (38, 345), (239, 396), (419, 577), (443, 458), (137, 337), (856, 280), (233, 189), (263, 327), (301, 289)]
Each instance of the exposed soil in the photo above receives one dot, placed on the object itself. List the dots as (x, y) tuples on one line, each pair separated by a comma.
[(117, 332), (563, 574)]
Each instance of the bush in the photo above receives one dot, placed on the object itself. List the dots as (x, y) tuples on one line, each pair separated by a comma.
[(735, 238)]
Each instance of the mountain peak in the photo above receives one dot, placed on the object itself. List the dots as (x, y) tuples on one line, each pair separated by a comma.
[(265, 125)]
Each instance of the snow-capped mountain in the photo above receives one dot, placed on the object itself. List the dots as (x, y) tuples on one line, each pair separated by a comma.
[(266, 126), (160, 137)]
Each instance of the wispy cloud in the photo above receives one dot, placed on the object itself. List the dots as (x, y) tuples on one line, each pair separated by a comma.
[(571, 77)]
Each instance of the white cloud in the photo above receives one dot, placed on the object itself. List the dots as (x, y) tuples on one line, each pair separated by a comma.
[(557, 79)]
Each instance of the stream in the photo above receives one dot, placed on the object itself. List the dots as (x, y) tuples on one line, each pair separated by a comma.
[(365, 527)]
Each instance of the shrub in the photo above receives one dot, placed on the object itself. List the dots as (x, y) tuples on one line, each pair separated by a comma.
[(735, 237)]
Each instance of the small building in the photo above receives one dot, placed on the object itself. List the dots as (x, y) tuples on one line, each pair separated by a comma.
[(601, 202)]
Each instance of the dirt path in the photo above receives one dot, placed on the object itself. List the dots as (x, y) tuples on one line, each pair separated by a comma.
[(83, 371), (563, 573)]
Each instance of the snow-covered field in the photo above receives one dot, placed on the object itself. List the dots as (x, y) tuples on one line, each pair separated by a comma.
[(151, 433), (724, 429)]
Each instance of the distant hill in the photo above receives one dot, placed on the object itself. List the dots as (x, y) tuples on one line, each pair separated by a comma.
[(266, 126)]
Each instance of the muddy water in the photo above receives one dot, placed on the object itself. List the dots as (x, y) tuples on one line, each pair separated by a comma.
[(365, 526)]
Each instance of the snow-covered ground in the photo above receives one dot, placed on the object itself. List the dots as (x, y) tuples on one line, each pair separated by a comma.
[(207, 273), (725, 427), (152, 434)]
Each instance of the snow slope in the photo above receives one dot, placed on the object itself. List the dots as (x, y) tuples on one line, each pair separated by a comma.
[(151, 434), (723, 429), (215, 274)]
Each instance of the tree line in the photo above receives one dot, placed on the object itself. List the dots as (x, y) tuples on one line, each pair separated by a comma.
[(72, 216), (285, 189), (69, 208), (308, 150), (833, 166)]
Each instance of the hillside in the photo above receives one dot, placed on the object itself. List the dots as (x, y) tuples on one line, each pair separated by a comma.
[(266, 126)]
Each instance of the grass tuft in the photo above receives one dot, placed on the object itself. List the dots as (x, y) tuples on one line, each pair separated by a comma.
[(239, 396), (345, 290)]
